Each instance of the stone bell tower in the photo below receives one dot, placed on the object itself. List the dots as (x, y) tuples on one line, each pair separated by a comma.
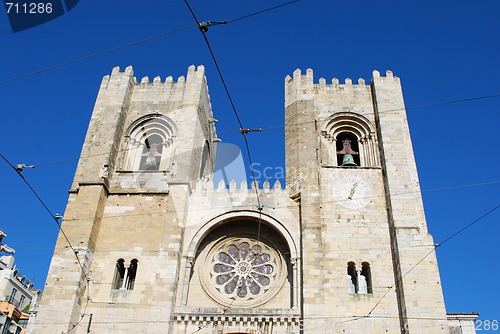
[(157, 247), (350, 162), (146, 145)]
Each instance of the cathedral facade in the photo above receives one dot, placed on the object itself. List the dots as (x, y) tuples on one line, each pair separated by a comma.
[(159, 248)]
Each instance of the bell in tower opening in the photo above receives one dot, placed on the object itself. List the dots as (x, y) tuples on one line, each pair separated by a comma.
[(151, 156), (347, 154)]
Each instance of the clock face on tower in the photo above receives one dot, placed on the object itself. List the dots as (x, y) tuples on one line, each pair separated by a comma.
[(352, 192)]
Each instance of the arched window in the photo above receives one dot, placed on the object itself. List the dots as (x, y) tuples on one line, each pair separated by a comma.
[(352, 282), (132, 272), (349, 139), (366, 273), (151, 153), (149, 144), (124, 278), (347, 149), (359, 280), (206, 167), (119, 274)]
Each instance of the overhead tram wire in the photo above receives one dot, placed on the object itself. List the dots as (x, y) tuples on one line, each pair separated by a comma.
[(284, 126), (55, 217), (96, 54), (317, 318), (386, 111), (139, 41), (203, 29), (242, 130), (432, 250), (284, 206), (466, 227), (263, 11), (369, 314)]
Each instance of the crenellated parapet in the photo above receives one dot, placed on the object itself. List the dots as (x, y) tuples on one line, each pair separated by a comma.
[(321, 115), (128, 112), (307, 80), (194, 73), (303, 86), (181, 89), (243, 186)]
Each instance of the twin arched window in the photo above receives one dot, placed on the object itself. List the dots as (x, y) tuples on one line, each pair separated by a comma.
[(349, 140), (149, 144), (124, 278), (359, 280)]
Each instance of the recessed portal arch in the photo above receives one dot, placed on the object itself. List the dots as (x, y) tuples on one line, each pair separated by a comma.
[(239, 215)]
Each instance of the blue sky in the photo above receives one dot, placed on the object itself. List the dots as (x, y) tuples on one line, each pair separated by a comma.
[(441, 50)]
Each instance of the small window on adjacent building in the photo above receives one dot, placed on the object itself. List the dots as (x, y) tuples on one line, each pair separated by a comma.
[(12, 297), (21, 301)]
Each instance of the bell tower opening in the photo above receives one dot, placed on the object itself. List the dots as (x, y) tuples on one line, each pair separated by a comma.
[(149, 144), (151, 153), (349, 139), (347, 149)]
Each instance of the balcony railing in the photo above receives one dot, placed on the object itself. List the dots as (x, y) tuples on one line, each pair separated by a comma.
[(11, 300)]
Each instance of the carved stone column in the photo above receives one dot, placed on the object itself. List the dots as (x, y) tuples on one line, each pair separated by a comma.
[(187, 273)]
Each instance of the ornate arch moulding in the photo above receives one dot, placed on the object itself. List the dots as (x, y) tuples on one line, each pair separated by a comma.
[(356, 123), (139, 131), (219, 220), (359, 126), (239, 269)]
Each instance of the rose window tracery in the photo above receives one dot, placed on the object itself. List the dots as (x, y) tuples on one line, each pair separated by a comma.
[(243, 271)]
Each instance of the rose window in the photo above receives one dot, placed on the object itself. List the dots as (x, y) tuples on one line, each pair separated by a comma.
[(243, 272)]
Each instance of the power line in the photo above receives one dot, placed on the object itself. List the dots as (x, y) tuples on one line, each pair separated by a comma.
[(137, 42), (95, 54), (417, 264), (281, 206), (263, 11), (317, 318), (243, 130), (466, 227), (386, 111), (83, 314), (55, 217), (433, 250), (450, 102), (277, 126)]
